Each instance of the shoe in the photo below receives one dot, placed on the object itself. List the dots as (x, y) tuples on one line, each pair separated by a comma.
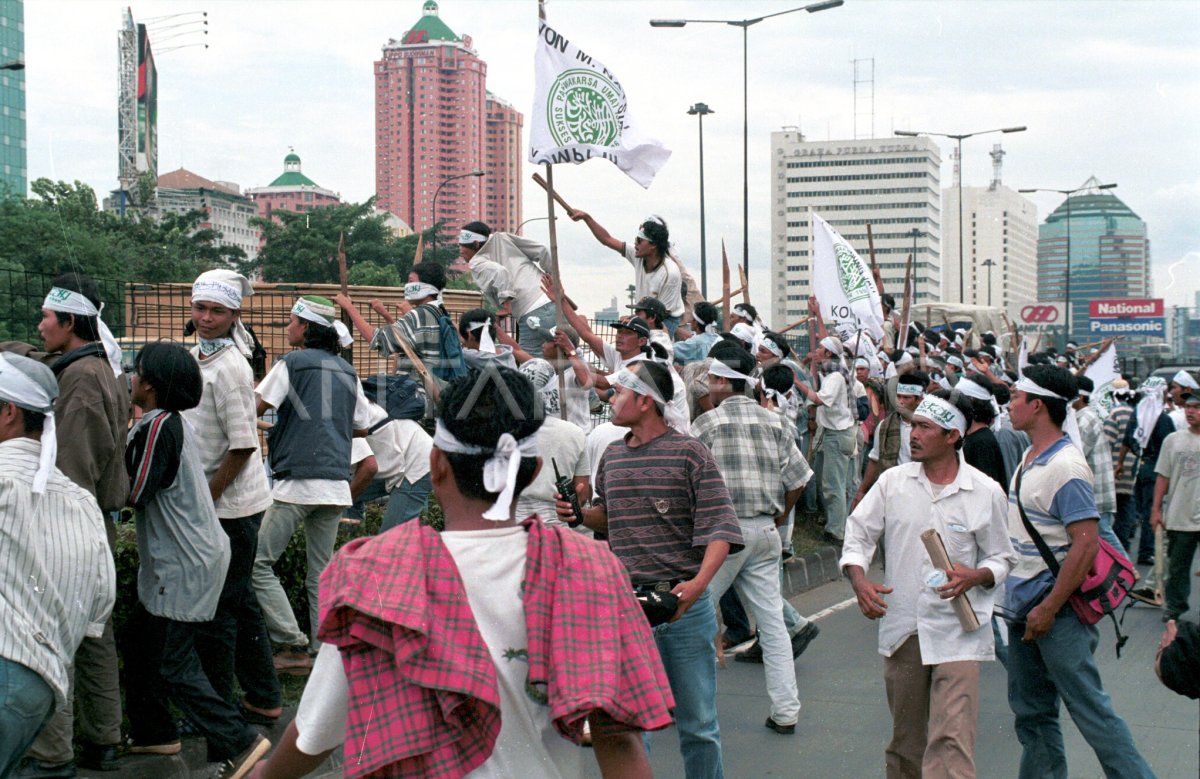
[(294, 660), (788, 554), (1168, 617), (801, 640), (36, 769), (1144, 595), (783, 730), (256, 716), (751, 655), (98, 757), (166, 748), (238, 767)]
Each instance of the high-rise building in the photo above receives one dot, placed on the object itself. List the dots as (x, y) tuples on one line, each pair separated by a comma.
[(435, 122), (1102, 246), (1001, 227), (291, 191), (890, 184), (13, 175), (226, 210)]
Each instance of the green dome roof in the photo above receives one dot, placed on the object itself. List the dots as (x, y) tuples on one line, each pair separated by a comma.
[(293, 157), (292, 177), (430, 27)]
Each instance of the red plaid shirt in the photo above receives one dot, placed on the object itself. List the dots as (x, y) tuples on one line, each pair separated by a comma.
[(423, 697)]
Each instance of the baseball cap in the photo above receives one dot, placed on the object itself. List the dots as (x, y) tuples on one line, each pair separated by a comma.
[(635, 324), (1189, 398), (652, 306)]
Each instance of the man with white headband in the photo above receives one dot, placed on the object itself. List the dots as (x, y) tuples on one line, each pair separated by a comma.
[(1182, 382), (57, 581), (836, 430), (319, 405), (1178, 479), (91, 418), (890, 444), (931, 665), (528, 626), (477, 330), (1125, 522), (707, 319), (656, 274), (1053, 661), (225, 435), (672, 532), (756, 454), (980, 447), (1148, 428), (508, 270)]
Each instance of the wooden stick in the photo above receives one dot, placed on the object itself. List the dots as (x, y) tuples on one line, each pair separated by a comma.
[(344, 278), (871, 248), (560, 319), (724, 285), (420, 252), (906, 309), (745, 285), (549, 187), (732, 294), (794, 325)]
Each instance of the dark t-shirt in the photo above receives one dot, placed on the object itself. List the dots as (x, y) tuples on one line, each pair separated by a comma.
[(982, 450), (666, 502)]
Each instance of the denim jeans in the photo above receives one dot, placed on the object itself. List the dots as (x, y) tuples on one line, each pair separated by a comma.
[(532, 334), (670, 324), (1125, 521), (405, 502), (278, 526), (1143, 492), (754, 573), (26, 702), (837, 452), (690, 660), (1061, 665), (1108, 534), (733, 614), (235, 642), (1181, 548)]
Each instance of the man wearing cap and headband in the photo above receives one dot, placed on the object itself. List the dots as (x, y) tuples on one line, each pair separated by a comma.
[(932, 665), (225, 434), (92, 410), (756, 453), (485, 648), (1182, 382), (890, 444), (319, 405), (1178, 470), (656, 274), (57, 581), (835, 430), (672, 531), (1053, 661)]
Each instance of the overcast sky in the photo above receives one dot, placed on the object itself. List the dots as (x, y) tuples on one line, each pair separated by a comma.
[(1106, 88)]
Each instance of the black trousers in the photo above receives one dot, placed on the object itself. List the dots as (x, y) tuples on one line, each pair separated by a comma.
[(235, 642), (160, 663)]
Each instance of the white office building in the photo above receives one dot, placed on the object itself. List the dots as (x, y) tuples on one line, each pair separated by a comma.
[(891, 184)]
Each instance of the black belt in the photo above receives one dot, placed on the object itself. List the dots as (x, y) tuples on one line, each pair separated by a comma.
[(663, 586)]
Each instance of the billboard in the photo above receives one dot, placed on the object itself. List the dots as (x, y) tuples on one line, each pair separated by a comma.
[(1152, 326), (1125, 309), (147, 105), (1041, 316)]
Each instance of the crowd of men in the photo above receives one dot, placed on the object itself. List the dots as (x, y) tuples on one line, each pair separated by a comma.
[(576, 590)]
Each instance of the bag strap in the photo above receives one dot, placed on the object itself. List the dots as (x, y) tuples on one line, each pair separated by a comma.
[(1043, 547)]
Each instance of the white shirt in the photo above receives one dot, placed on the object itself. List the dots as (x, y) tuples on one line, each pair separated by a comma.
[(905, 445), (664, 282), (834, 413), (561, 443), (401, 449), (274, 389), (971, 515), (492, 566)]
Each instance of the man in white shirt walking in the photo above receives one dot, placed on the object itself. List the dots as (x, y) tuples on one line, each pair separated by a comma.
[(931, 670)]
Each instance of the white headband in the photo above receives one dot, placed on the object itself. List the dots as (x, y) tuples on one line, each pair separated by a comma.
[(345, 337), (744, 333), (905, 359), (708, 327), (314, 312), (972, 390), (832, 345), (942, 414), (910, 389), (486, 344), (631, 381), (468, 236), (743, 313), (861, 362), (719, 368), (1028, 385), (500, 470), (71, 302), (419, 290), (22, 391), (955, 360), (223, 287), (770, 346)]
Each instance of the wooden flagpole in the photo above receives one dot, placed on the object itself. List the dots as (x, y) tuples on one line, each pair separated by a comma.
[(795, 324), (906, 309), (560, 319), (724, 286), (745, 285)]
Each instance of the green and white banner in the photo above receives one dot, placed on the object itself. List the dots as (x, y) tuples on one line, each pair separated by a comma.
[(842, 282), (580, 113)]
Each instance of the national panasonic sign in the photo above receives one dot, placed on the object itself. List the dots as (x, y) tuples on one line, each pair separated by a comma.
[(1127, 317)]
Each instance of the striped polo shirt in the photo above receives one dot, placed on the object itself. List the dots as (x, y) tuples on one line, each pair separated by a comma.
[(666, 502)]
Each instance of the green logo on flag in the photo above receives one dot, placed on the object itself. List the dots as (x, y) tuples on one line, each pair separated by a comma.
[(850, 274), (584, 107)]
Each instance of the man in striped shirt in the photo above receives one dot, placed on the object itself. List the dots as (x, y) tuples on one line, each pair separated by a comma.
[(671, 523)]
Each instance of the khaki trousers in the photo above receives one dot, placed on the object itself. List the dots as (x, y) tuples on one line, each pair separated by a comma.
[(934, 713)]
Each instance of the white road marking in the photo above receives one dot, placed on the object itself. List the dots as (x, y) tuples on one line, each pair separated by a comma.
[(834, 609)]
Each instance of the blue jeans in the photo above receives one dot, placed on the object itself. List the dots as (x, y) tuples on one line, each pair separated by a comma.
[(405, 502), (26, 702), (1143, 493), (670, 323), (532, 334), (1125, 522), (1181, 548), (1107, 520), (690, 659), (1061, 664)]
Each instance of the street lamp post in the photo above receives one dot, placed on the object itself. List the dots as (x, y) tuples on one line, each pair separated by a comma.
[(960, 138), (438, 191), (532, 219), (1067, 274), (988, 263), (701, 110), (745, 25)]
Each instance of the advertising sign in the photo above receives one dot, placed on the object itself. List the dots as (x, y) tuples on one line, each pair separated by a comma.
[(147, 105), (1152, 326), (1125, 309), (1041, 316)]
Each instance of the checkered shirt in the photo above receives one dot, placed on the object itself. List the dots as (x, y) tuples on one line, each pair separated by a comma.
[(418, 328), (1099, 457), (756, 454), (423, 697)]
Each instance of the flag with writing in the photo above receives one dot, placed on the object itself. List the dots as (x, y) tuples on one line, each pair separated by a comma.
[(842, 282), (580, 113), (1103, 371)]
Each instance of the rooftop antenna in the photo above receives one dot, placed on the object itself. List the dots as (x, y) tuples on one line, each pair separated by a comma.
[(997, 154), (864, 103)]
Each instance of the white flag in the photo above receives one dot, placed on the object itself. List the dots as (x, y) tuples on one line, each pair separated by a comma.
[(842, 282), (580, 113), (1023, 357), (1104, 368)]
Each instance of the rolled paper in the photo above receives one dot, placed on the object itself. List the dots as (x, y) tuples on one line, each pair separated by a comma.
[(941, 560)]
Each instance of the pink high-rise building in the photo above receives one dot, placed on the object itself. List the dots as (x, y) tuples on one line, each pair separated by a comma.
[(434, 120)]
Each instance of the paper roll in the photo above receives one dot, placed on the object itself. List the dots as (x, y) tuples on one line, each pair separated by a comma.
[(941, 560)]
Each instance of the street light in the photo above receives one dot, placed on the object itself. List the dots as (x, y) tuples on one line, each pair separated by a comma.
[(962, 297), (988, 263), (1067, 274), (438, 191), (531, 219), (15, 65), (745, 24), (701, 110)]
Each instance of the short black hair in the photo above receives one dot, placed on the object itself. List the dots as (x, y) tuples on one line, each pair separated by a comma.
[(479, 408), (1001, 393), (86, 327), (989, 339), (963, 404), (1058, 380), (751, 310), (707, 312), (474, 316), (917, 376), (319, 336), (33, 421), (735, 357), (173, 373), (478, 227), (779, 341), (1084, 384), (984, 412), (779, 377), (659, 236), (659, 376), (888, 301), (430, 273)]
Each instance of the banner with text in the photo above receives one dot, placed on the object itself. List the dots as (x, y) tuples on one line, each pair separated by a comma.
[(580, 113), (842, 283)]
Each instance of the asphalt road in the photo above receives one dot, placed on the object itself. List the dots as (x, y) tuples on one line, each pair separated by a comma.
[(844, 723)]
